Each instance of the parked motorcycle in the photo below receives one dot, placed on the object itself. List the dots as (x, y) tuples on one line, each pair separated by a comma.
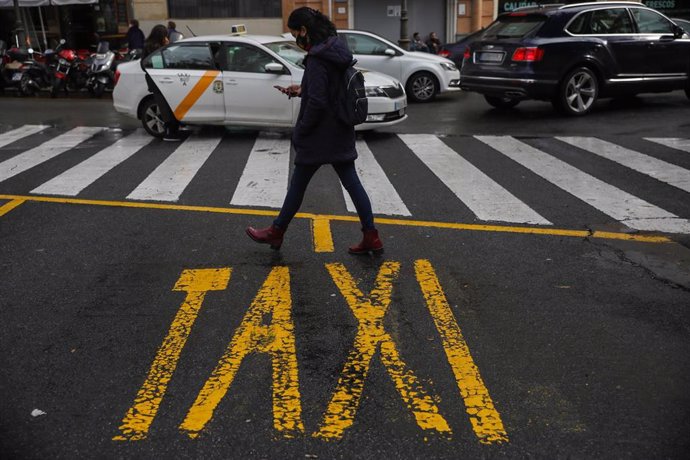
[(70, 70), (101, 73), (36, 72)]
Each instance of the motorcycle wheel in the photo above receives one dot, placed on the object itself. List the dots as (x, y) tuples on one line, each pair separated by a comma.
[(55, 89), (25, 87), (98, 89)]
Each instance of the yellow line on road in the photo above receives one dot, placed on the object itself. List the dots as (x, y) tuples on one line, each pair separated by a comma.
[(323, 239), (383, 221), (7, 207), (136, 423), (486, 422)]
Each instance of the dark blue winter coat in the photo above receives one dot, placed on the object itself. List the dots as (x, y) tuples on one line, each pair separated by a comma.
[(319, 136)]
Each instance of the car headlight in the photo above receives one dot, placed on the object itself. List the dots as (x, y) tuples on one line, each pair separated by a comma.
[(449, 66), (375, 91)]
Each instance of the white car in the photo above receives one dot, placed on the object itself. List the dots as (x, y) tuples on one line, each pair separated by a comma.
[(229, 80), (423, 74)]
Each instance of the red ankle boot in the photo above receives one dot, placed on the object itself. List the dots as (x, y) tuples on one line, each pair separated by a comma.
[(270, 235), (370, 243)]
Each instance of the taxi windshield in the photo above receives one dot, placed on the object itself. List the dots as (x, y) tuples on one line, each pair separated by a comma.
[(289, 51)]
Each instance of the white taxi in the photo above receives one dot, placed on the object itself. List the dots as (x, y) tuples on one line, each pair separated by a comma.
[(229, 80)]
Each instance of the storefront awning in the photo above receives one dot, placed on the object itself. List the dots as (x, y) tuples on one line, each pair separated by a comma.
[(10, 3)]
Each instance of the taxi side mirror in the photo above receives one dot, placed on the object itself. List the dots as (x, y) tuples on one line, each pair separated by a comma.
[(274, 67), (389, 52)]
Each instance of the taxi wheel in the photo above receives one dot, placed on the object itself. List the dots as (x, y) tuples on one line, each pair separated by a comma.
[(422, 87), (151, 118)]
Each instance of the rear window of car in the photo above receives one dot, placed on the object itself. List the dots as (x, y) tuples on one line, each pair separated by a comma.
[(514, 26)]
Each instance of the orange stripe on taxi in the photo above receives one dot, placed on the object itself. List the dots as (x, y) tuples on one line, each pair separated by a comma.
[(190, 99)]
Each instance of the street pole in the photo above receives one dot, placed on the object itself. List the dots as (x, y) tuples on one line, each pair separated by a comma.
[(404, 41), (18, 26)]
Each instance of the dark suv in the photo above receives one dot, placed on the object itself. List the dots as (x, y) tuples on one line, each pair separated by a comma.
[(574, 54)]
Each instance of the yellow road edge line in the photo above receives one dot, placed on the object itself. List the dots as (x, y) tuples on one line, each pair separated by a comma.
[(195, 93), (197, 283), (485, 419), (339, 218), (7, 207), (323, 239)]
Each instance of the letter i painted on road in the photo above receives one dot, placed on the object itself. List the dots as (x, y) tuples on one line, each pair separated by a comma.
[(135, 426), (371, 336), (253, 336), (485, 419)]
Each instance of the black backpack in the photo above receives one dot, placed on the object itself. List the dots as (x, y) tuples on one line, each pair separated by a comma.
[(351, 104)]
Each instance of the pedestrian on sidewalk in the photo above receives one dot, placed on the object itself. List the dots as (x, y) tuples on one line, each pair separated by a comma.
[(135, 36), (319, 137)]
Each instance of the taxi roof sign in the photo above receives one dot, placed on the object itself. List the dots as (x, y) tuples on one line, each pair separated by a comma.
[(238, 29)]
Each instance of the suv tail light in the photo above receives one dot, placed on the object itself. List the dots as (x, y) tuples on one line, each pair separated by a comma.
[(117, 77), (531, 54), (467, 54)]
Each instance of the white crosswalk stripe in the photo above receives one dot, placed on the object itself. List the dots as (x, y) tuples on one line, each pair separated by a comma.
[(76, 179), (171, 178), (264, 180), (626, 208), (658, 169), (19, 133), (384, 198), (673, 142), (486, 198), (46, 151)]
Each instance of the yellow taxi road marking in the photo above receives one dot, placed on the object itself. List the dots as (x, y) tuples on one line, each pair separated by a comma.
[(7, 207), (371, 336), (195, 93), (323, 239), (485, 419), (383, 221), (196, 283), (253, 336)]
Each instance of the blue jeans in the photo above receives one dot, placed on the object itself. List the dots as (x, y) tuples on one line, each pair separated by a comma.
[(348, 177)]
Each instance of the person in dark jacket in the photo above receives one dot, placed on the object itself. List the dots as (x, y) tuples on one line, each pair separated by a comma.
[(157, 39), (319, 137), (135, 37)]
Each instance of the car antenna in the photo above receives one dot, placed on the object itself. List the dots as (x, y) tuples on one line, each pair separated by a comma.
[(191, 31)]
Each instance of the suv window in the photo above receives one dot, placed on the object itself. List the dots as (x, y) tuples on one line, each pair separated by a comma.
[(514, 26), (602, 22), (651, 22), (364, 44), (246, 58)]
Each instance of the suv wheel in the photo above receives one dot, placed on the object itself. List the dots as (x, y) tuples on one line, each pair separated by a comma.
[(422, 87), (151, 118), (502, 102), (577, 92)]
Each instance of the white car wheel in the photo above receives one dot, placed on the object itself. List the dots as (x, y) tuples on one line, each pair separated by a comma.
[(422, 87)]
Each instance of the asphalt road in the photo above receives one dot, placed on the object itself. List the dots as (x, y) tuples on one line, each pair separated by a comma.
[(134, 327)]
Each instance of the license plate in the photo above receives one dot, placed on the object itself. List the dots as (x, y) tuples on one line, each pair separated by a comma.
[(490, 56), (17, 76)]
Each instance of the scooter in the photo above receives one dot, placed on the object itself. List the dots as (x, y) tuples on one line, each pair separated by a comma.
[(101, 73), (36, 72)]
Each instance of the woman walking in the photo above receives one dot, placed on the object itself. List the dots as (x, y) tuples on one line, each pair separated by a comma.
[(319, 137)]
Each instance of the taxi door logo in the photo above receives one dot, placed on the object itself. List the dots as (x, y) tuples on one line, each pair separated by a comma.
[(218, 86), (184, 78)]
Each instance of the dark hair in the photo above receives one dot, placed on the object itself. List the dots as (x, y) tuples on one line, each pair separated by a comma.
[(318, 26), (134, 23), (171, 25), (156, 38)]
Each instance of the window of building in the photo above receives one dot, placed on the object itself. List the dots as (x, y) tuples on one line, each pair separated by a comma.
[(224, 9)]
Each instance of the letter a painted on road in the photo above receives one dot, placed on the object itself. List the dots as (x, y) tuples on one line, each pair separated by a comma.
[(253, 336)]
